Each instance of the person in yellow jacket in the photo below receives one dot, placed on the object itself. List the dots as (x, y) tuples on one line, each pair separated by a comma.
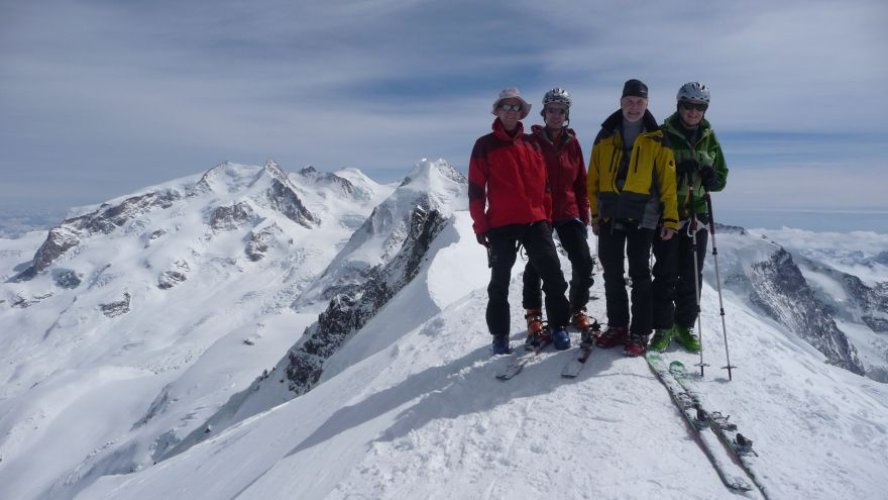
[(631, 188)]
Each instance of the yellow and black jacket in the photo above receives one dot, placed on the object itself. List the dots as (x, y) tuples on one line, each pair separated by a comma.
[(648, 192)]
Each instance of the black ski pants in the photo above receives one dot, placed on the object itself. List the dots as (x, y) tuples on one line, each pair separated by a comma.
[(616, 242), (674, 290), (573, 236), (537, 241)]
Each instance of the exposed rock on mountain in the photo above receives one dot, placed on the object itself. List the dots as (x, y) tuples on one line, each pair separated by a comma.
[(104, 220), (355, 304), (230, 217), (780, 290), (66, 278), (113, 309), (380, 259)]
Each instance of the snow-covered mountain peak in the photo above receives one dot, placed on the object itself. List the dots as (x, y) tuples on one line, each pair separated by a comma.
[(158, 285), (409, 408), (437, 175), (172, 339), (226, 177), (432, 188), (352, 183)]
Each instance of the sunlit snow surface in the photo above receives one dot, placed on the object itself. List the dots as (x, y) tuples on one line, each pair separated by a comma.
[(401, 412)]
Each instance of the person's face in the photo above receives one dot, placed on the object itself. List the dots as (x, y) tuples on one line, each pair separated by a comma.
[(633, 108), (555, 115), (691, 112), (509, 112)]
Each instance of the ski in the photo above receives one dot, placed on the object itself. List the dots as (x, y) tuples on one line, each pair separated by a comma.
[(727, 432), (733, 475), (575, 365), (518, 363)]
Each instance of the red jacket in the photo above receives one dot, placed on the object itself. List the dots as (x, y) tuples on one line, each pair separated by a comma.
[(567, 175), (507, 181)]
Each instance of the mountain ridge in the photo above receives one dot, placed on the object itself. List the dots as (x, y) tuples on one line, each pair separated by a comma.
[(379, 301)]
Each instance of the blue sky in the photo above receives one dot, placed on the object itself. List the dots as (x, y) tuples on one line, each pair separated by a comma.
[(99, 98)]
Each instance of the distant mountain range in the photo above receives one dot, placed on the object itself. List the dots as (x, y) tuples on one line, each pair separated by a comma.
[(211, 299)]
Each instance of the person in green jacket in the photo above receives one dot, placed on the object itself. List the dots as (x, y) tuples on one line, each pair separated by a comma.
[(699, 169)]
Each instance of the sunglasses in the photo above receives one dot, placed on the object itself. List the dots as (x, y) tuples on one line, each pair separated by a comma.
[(510, 107), (556, 111), (699, 106)]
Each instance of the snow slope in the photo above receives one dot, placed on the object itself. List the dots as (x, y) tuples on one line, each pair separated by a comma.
[(133, 336), (420, 415), (104, 370)]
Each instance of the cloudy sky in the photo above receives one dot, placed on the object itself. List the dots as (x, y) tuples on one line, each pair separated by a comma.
[(99, 98)]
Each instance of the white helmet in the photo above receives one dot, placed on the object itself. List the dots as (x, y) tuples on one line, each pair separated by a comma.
[(693, 91), (557, 95)]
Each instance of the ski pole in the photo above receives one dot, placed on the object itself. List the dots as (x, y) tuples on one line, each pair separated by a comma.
[(692, 232), (721, 305)]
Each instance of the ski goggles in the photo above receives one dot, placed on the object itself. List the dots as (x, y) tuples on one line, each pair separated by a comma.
[(556, 111), (699, 106)]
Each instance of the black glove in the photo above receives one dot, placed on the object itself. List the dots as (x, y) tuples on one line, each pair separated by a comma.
[(708, 178), (482, 238), (687, 167)]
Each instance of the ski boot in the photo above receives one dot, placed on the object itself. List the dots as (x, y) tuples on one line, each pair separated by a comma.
[(561, 339), (636, 345), (687, 338), (580, 319), (662, 338), (500, 345), (535, 328), (613, 336)]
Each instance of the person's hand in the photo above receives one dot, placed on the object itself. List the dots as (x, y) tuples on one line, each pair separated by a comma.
[(666, 233), (708, 178), (688, 166), (595, 228), (584, 226), (482, 239)]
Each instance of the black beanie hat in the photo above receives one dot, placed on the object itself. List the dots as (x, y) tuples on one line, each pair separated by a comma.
[(635, 88)]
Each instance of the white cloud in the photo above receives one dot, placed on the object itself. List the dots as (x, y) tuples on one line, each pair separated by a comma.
[(378, 85)]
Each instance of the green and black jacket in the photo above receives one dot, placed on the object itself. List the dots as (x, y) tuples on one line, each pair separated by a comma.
[(706, 150)]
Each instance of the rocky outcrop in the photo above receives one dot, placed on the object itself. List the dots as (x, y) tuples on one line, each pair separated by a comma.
[(283, 199), (23, 303), (117, 308), (350, 309), (172, 277), (66, 278), (872, 301), (106, 219), (230, 218), (781, 291), (866, 304), (259, 241)]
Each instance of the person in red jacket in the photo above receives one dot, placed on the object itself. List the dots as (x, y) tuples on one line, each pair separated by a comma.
[(566, 170), (510, 205)]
